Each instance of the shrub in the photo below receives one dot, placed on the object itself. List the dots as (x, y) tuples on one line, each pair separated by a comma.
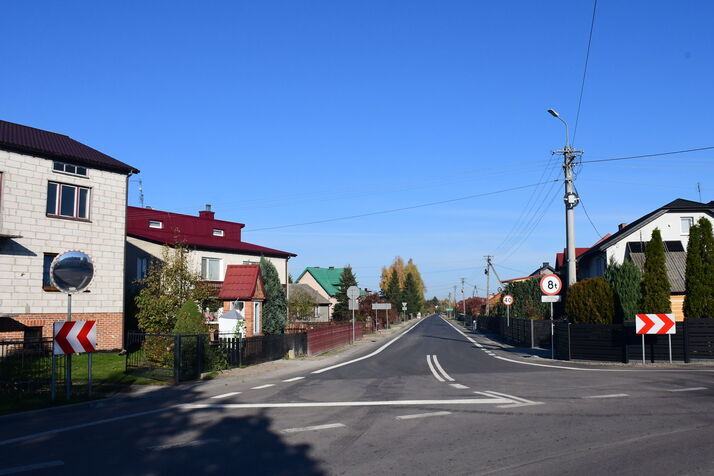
[(626, 282), (590, 301), (655, 283)]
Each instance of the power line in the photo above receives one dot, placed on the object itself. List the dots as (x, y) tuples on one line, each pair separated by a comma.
[(659, 154), (400, 209), (585, 71), (587, 214)]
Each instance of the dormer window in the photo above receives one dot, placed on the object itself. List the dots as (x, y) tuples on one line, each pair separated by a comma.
[(69, 169), (218, 232), (156, 224)]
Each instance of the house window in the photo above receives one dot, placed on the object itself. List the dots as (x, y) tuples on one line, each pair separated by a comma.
[(218, 232), (32, 334), (67, 200), (156, 224), (46, 281), (256, 318), (142, 267), (211, 269), (70, 169), (251, 262), (687, 223)]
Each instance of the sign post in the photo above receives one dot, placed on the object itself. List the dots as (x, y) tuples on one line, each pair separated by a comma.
[(655, 324), (353, 293), (386, 306), (404, 310), (550, 286), (71, 272), (508, 302)]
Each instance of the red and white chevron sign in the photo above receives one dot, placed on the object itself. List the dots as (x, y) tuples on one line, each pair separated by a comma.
[(75, 337), (655, 324)]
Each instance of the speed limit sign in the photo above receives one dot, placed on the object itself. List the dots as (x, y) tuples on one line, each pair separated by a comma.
[(507, 300), (550, 284)]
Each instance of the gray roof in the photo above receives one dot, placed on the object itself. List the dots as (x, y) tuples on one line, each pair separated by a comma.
[(674, 261), (307, 289)]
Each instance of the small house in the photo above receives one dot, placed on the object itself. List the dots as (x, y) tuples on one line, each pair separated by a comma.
[(242, 291)]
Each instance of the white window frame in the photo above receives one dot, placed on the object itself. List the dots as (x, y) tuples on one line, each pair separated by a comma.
[(256, 318), (157, 224), (681, 224), (59, 187), (142, 267), (62, 168), (218, 232), (205, 268)]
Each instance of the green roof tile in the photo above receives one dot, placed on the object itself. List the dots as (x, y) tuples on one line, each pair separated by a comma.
[(328, 278)]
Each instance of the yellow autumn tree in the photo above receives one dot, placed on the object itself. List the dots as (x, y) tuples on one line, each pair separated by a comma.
[(402, 271)]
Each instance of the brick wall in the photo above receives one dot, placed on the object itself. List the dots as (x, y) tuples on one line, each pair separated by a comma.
[(110, 326)]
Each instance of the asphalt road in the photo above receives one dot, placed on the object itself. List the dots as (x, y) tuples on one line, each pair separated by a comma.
[(427, 401)]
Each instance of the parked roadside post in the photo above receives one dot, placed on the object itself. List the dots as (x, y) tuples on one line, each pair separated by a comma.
[(353, 294), (72, 272), (655, 324), (508, 301), (386, 306), (550, 286)]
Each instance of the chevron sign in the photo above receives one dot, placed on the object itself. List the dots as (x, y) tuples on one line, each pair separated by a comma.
[(75, 337), (655, 324)]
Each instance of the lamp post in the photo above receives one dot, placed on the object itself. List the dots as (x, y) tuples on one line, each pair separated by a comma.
[(571, 200)]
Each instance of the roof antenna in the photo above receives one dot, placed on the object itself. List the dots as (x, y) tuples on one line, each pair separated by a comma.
[(699, 189), (141, 191)]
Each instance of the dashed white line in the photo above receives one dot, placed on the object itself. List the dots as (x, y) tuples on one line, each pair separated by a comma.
[(612, 395), (438, 366), (226, 395), (294, 379), (31, 467), (422, 415), (433, 370), (313, 428), (458, 385), (263, 386), (380, 403), (691, 389)]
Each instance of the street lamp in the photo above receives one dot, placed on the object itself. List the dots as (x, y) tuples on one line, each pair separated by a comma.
[(571, 200)]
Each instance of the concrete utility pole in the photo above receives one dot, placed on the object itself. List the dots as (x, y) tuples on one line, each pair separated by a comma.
[(463, 298), (571, 200), (488, 279), (454, 306)]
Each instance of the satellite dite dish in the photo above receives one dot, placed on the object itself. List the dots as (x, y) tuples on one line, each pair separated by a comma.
[(72, 272)]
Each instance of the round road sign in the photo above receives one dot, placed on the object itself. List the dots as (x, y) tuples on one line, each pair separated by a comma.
[(550, 284), (72, 272), (353, 292), (507, 300)]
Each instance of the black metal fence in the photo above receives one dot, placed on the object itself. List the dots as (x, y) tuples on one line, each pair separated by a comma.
[(184, 357), (26, 366), (516, 331)]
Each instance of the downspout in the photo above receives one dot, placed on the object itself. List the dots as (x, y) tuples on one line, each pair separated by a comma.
[(123, 271)]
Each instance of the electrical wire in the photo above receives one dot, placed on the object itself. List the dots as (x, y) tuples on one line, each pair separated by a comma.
[(585, 72), (586, 212), (659, 154)]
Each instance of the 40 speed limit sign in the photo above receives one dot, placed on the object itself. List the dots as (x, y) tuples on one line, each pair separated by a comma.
[(550, 284), (507, 300)]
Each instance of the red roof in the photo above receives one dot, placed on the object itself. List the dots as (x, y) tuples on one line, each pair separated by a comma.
[(195, 231), (56, 146), (240, 282), (560, 257)]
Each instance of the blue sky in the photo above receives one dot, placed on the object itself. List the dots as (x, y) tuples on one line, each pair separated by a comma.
[(288, 112)]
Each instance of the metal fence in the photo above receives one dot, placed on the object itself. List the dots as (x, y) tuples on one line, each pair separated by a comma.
[(26, 366), (516, 331), (184, 357)]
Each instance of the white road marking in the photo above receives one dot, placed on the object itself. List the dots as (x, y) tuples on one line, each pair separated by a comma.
[(460, 401), (433, 371), (691, 389), (514, 401), (294, 379), (263, 386), (612, 395), (313, 428), (185, 444), (422, 415), (563, 367), (226, 395), (438, 366), (458, 385), (85, 425), (31, 467), (368, 355)]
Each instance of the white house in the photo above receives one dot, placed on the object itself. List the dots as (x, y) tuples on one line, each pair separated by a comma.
[(57, 194), (673, 221)]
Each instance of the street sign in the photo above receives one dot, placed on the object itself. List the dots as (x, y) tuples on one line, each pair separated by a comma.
[(381, 306), (449, 308), (507, 300), (72, 272), (550, 299), (353, 305), (74, 337), (353, 292), (655, 324), (404, 306), (550, 284)]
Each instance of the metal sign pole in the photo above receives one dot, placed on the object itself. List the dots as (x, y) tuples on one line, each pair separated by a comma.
[(353, 326), (552, 334), (508, 316), (68, 357), (669, 337), (643, 349), (54, 375), (89, 377)]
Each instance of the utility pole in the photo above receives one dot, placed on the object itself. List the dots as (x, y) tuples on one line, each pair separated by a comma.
[(571, 200), (463, 298), (488, 279), (454, 306)]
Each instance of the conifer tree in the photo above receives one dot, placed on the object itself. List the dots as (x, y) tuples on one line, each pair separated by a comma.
[(655, 283), (411, 295), (347, 279), (626, 283), (699, 276), (393, 293), (275, 306)]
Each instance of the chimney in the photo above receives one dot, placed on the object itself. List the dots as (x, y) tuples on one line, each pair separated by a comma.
[(207, 213), (621, 226), (546, 264)]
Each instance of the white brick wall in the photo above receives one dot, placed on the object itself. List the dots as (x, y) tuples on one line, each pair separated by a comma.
[(22, 211)]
